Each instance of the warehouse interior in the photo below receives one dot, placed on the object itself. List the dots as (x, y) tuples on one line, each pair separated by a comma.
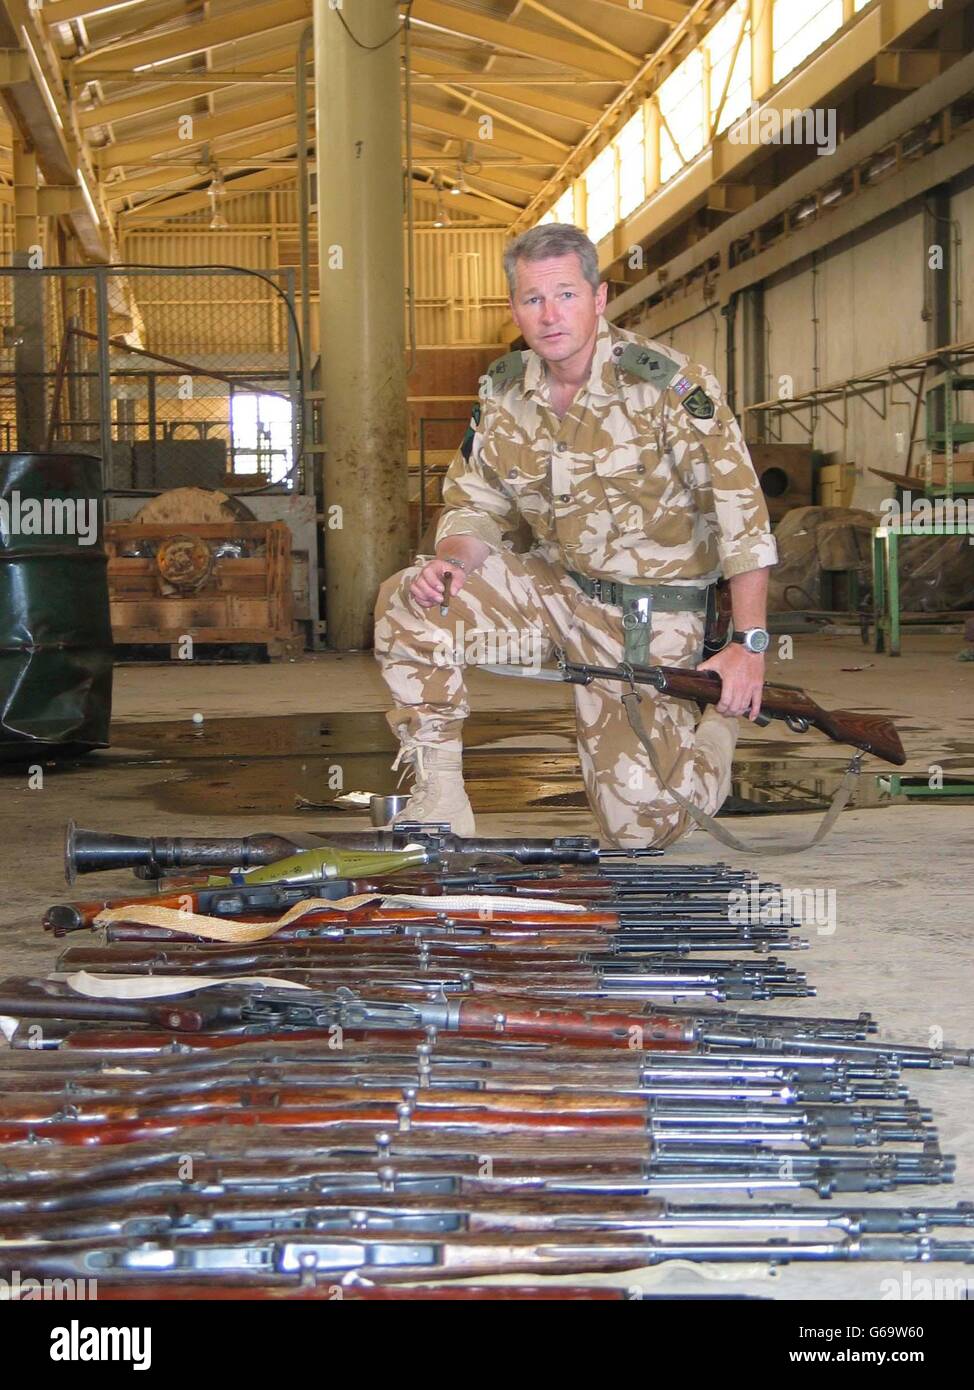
[(251, 281)]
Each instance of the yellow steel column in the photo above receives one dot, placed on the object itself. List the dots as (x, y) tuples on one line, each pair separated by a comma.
[(362, 298), (580, 203), (26, 219), (651, 128), (762, 48), (28, 302)]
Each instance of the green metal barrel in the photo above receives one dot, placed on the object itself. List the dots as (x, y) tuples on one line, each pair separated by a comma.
[(56, 651)]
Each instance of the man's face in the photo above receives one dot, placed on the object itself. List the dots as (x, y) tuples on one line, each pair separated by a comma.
[(556, 308)]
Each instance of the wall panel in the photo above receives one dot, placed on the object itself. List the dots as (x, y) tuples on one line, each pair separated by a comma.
[(461, 291), (854, 310)]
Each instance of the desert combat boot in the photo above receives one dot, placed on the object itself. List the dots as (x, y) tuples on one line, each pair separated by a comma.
[(438, 795)]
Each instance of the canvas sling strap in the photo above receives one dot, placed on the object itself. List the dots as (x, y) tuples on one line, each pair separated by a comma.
[(212, 928), (840, 800)]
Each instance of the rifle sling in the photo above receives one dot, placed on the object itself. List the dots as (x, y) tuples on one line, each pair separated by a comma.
[(145, 913), (710, 823)]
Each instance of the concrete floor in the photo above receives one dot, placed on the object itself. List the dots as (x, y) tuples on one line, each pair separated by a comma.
[(904, 943)]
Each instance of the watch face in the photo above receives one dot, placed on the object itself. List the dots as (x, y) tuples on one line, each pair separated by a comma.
[(758, 640)]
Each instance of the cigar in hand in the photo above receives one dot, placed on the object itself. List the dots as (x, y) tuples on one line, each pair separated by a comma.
[(445, 601)]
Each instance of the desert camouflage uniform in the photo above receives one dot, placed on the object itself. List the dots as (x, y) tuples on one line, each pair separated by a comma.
[(646, 480)]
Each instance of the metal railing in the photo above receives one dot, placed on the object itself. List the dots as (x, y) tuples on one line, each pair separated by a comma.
[(429, 473)]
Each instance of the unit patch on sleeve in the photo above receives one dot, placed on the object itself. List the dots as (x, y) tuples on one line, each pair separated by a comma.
[(466, 444), (699, 404)]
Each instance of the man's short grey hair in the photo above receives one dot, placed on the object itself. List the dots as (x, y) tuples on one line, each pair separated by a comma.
[(552, 239)]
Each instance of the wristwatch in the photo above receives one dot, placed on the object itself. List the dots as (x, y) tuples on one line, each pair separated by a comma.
[(754, 639)]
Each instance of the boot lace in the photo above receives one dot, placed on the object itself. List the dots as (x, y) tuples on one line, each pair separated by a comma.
[(410, 759)]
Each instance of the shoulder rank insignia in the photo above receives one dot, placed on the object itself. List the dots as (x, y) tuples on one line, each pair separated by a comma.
[(649, 364), (503, 370), (466, 444)]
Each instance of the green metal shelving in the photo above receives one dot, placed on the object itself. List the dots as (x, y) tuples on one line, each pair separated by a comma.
[(943, 433), (941, 391)]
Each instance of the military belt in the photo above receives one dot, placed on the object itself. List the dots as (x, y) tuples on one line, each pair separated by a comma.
[(664, 598), (638, 602)]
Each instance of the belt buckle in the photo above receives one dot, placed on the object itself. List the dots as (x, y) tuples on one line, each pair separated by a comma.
[(638, 613), (597, 590)]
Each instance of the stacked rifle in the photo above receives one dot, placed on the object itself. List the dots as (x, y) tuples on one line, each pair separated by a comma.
[(453, 1060)]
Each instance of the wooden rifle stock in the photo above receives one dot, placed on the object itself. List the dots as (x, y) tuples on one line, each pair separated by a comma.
[(150, 1041), (519, 1019), (398, 952), (35, 1000), (352, 1293), (471, 1213), (394, 1257), (870, 733), (511, 1017), (137, 1040), (475, 1119), (555, 1104), (64, 918)]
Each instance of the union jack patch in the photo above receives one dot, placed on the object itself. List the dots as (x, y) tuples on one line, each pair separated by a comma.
[(681, 386)]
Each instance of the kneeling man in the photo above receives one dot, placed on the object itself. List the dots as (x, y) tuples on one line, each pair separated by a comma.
[(637, 485)]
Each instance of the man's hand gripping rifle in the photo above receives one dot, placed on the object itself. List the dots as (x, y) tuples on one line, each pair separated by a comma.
[(867, 732)]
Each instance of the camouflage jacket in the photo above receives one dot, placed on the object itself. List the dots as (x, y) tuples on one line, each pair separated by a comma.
[(647, 477)]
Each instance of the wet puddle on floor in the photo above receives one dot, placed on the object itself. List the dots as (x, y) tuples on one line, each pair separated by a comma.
[(520, 761)]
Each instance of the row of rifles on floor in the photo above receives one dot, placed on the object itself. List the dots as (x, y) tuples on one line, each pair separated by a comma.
[(387, 1065)]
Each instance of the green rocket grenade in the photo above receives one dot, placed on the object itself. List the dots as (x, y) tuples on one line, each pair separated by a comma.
[(320, 865)]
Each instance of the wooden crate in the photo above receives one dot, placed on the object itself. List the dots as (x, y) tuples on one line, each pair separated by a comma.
[(836, 483), (243, 601)]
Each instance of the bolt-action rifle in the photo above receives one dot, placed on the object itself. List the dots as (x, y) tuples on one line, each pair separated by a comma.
[(715, 979), (394, 1257), (512, 1018), (231, 1005), (431, 1215), (470, 914), (355, 1159), (867, 732)]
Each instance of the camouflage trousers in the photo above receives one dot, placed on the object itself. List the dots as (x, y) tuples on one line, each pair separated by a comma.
[(514, 610)]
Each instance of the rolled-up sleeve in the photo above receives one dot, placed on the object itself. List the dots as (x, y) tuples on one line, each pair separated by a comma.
[(476, 503), (737, 505)]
